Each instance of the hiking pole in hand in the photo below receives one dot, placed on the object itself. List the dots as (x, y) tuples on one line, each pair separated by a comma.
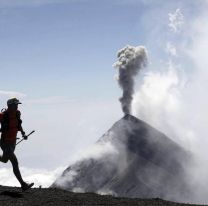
[(25, 137)]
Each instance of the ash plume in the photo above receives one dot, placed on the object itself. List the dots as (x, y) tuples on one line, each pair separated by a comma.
[(130, 61)]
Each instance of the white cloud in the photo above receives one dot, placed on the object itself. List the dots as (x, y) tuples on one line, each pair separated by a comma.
[(11, 94), (159, 97), (4, 95), (178, 106), (65, 128), (171, 49), (97, 151), (40, 177), (176, 20), (62, 132)]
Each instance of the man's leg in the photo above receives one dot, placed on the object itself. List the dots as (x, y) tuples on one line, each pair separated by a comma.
[(14, 161), (4, 158), (12, 157), (8, 154), (15, 165)]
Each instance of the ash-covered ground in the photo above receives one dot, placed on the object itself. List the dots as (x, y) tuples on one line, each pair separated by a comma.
[(10, 196)]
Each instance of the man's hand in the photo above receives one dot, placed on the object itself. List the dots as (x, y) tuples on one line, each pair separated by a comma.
[(23, 135)]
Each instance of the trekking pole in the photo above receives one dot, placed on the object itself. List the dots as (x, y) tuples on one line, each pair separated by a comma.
[(26, 137)]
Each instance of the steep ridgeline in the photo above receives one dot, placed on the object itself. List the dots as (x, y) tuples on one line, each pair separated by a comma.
[(132, 160)]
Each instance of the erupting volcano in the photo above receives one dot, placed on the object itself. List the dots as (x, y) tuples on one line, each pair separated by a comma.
[(140, 162), (135, 160)]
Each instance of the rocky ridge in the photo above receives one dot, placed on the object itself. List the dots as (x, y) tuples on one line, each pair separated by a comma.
[(12, 196)]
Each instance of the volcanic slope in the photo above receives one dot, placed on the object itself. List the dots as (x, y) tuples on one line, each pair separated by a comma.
[(134, 160), (12, 196)]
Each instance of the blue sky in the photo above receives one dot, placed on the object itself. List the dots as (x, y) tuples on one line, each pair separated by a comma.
[(57, 56), (64, 46), (56, 48)]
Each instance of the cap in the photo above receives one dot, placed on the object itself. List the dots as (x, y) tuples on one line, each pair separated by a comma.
[(13, 101)]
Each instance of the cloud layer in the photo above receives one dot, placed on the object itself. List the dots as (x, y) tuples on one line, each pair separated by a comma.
[(173, 97), (10, 94), (42, 178)]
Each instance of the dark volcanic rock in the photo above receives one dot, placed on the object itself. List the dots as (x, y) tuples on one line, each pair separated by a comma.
[(12, 196), (136, 160)]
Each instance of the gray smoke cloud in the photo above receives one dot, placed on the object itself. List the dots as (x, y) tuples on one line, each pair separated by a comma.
[(130, 61)]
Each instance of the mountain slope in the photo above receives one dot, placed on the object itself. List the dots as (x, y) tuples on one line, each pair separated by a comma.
[(136, 161), (10, 196)]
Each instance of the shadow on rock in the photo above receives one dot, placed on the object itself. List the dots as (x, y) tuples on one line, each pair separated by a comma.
[(12, 194)]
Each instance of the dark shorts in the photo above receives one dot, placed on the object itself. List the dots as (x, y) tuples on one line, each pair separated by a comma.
[(7, 148)]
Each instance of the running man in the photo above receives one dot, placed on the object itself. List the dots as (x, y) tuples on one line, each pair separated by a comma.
[(11, 123)]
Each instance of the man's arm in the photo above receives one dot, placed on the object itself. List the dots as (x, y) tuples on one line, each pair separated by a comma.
[(21, 130), (1, 118), (20, 124)]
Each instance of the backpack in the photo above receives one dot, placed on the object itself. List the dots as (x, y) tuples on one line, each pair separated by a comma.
[(5, 120)]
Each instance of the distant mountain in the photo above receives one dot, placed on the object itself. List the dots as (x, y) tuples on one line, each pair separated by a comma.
[(136, 160)]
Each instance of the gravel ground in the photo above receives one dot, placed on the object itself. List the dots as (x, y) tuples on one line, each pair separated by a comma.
[(10, 196)]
